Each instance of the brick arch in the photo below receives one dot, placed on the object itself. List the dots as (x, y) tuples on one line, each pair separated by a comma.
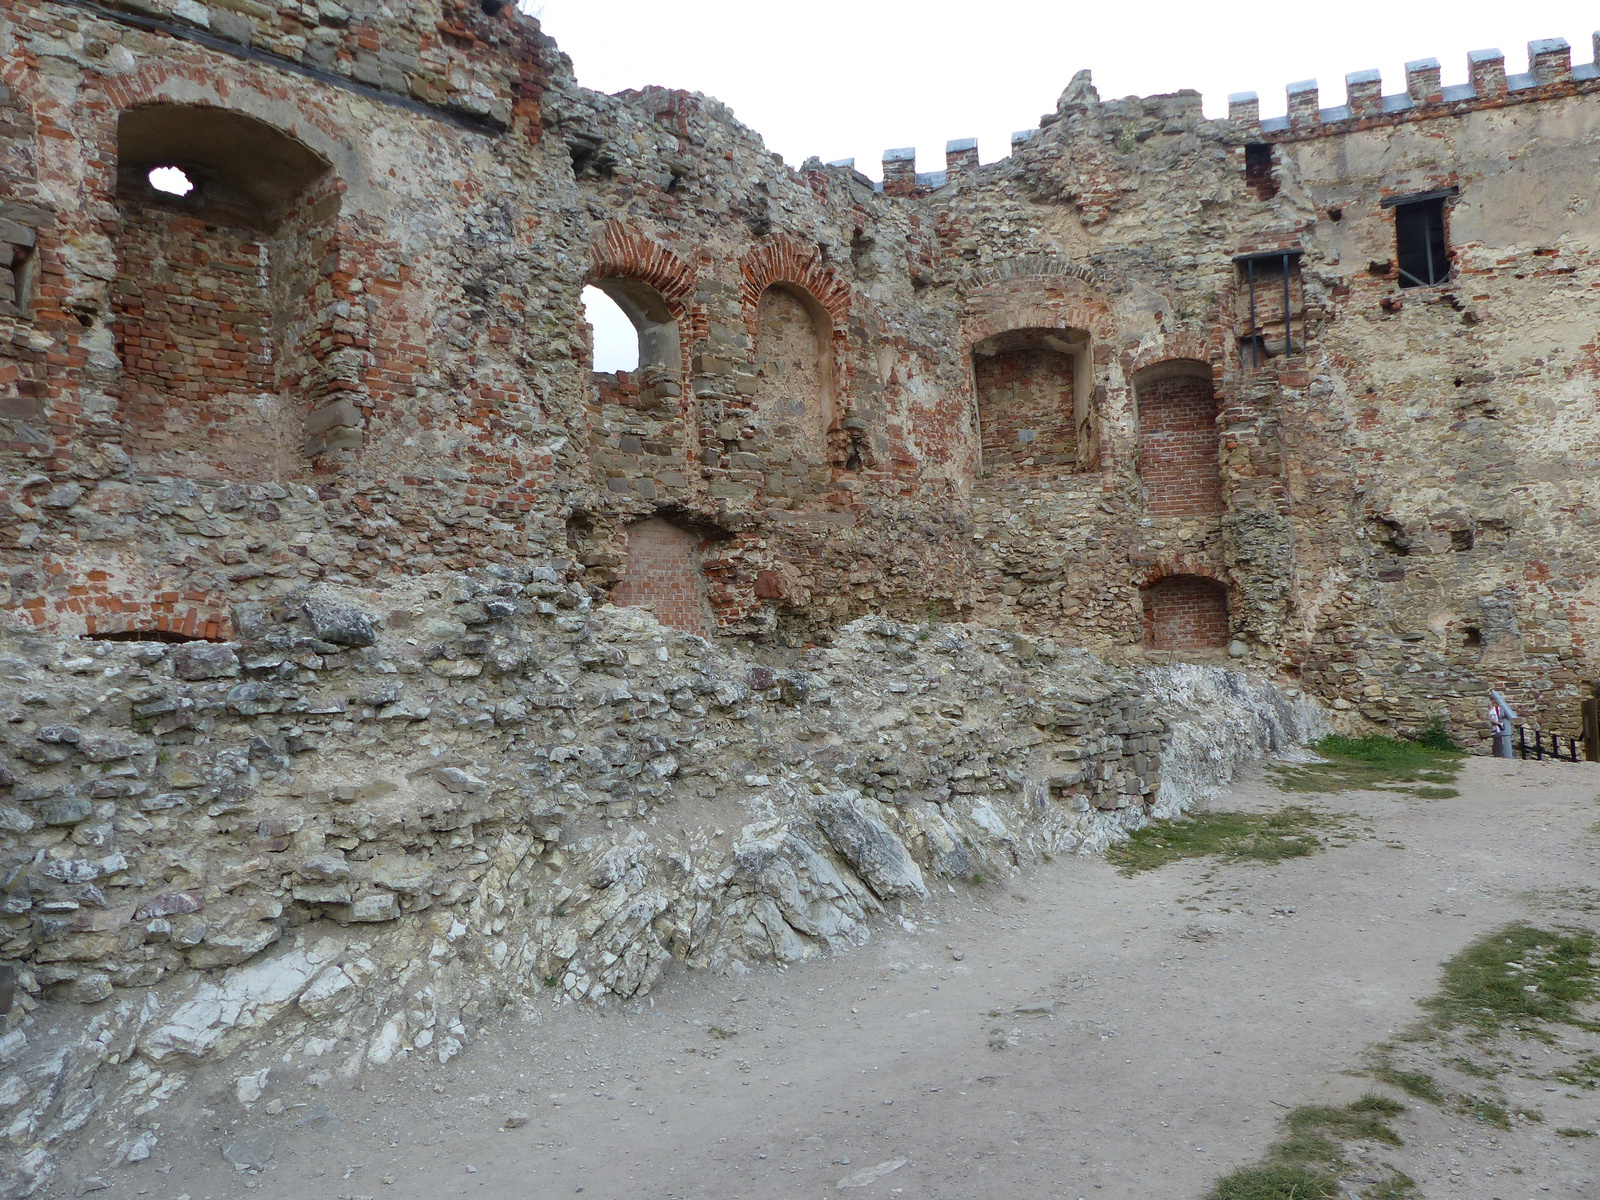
[(1180, 564), (1001, 309), (191, 85), (323, 416), (1027, 266), (1186, 345), (620, 251), (783, 262), (781, 259), (1040, 301)]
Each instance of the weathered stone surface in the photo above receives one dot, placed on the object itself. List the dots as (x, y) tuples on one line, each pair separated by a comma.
[(341, 624), (246, 997), (200, 661), (859, 834)]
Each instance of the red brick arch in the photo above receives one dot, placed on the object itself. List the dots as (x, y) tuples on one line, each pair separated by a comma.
[(1187, 345), (620, 251), (781, 259)]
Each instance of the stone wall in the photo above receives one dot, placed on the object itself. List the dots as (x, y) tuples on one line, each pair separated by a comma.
[(432, 406), (377, 821)]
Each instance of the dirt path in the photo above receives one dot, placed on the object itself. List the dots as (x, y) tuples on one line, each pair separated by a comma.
[(1156, 1029)]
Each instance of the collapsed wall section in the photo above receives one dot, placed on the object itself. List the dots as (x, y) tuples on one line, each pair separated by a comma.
[(374, 822)]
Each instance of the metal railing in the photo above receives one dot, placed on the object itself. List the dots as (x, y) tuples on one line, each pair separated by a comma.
[(1537, 750)]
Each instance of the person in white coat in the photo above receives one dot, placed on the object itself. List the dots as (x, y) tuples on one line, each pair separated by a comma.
[(1501, 715)]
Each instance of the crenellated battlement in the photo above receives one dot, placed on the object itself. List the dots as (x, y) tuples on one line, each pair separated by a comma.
[(1550, 74)]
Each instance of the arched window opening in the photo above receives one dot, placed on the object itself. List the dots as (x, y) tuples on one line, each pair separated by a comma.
[(646, 321), (1178, 440), (616, 341), (1185, 612), (1033, 390), (663, 573), (793, 343), (226, 223)]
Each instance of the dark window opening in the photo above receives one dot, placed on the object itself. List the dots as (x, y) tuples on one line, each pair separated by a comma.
[(1269, 297), (1258, 169), (1461, 539), (16, 277), (1472, 636), (148, 635), (1420, 243)]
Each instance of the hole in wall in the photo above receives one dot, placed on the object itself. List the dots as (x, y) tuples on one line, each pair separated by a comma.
[(1472, 636), (1258, 170), (148, 635), (171, 180), (1461, 539)]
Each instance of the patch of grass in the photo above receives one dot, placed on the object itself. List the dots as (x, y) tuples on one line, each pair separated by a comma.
[(1467, 1067), (1584, 1073), (1485, 1111), (1398, 1186), (1277, 1181), (1575, 1133), (1518, 977), (1419, 768), (1416, 1083), (1306, 1162), (1362, 1121), (1240, 837)]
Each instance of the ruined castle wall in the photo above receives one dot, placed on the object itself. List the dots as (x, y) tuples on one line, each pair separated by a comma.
[(413, 393)]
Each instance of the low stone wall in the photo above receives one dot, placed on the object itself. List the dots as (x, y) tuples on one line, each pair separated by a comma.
[(380, 819)]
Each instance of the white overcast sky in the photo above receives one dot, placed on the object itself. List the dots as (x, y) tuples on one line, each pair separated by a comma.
[(852, 78)]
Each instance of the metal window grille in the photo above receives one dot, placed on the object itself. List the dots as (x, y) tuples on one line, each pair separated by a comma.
[(1253, 346), (1420, 245)]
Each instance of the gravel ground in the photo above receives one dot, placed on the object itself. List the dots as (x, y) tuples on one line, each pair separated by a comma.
[(1065, 1032)]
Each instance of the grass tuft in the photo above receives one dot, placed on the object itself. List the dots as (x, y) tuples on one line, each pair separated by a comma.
[(1307, 1160), (1417, 1083), (1240, 837), (1277, 1181), (1421, 768), (1518, 977)]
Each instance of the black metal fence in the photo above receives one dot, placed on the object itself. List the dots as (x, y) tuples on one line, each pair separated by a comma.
[(1539, 750)]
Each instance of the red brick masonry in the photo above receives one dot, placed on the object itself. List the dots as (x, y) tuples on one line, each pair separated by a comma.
[(1185, 612)]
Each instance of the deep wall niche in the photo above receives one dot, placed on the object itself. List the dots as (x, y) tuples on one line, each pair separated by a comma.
[(220, 294)]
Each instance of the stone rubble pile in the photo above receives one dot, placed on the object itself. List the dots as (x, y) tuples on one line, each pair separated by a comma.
[(380, 819)]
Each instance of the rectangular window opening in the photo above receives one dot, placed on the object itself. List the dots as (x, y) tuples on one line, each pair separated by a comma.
[(1420, 247), (1258, 169), (16, 277), (1270, 307)]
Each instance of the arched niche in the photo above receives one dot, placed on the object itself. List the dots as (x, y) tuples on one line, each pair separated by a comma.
[(1034, 389), (1185, 612), (215, 307), (1178, 439), (794, 372)]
